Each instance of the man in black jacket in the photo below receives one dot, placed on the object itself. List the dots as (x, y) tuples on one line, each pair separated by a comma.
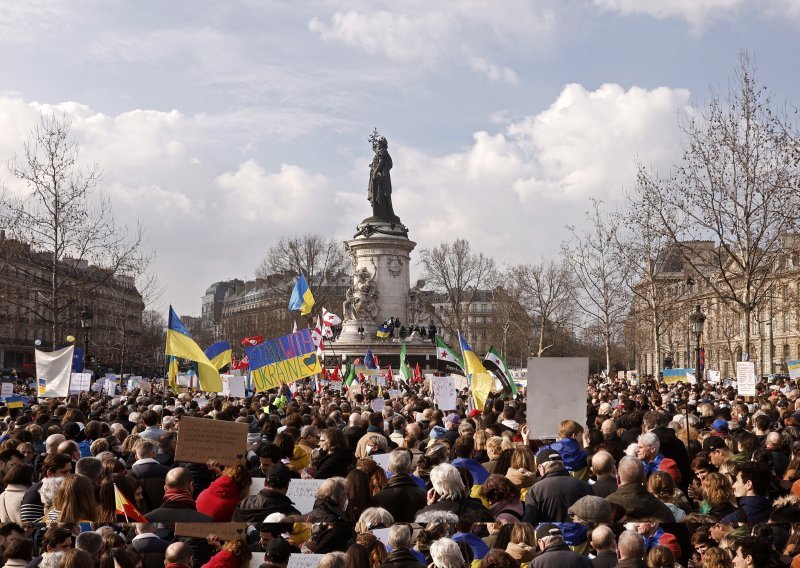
[(550, 498), (271, 499), (401, 496), (178, 505), (670, 445), (639, 504), (555, 552)]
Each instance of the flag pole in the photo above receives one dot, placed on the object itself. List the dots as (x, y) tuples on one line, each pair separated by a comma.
[(124, 512)]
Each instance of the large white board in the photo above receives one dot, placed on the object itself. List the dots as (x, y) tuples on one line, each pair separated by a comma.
[(556, 392)]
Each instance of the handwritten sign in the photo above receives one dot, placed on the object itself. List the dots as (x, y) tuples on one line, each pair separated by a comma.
[(377, 404), (303, 493), (6, 389), (225, 531), (746, 378), (283, 360), (79, 382), (110, 387), (444, 392), (233, 386), (304, 560), (201, 439)]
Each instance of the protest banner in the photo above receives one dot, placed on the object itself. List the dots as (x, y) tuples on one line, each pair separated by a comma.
[(794, 369), (555, 382), (233, 386), (714, 377), (6, 389), (377, 404), (53, 370), (746, 378), (283, 360), (225, 531), (304, 560), (201, 439), (672, 376), (80, 382), (302, 493), (444, 392)]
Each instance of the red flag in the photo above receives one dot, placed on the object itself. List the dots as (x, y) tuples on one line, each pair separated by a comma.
[(325, 374), (335, 374), (255, 340), (389, 374), (377, 365), (417, 374), (126, 508), (243, 364)]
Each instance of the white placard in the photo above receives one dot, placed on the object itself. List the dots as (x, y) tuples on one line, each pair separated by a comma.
[(554, 384), (79, 382), (183, 380), (395, 393), (714, 377), (201, 401), (98, 385), (110, 387), (746, 378), (382, 535), (377, 404), (444, 392), (233, 386), (336, 385), (256, 486), (6, 389), (303, 492), (304, 560), (382, 460), (256, 559), (381, 381), (460, 382)]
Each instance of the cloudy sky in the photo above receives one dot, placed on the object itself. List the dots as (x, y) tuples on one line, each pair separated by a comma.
[(224, 125)]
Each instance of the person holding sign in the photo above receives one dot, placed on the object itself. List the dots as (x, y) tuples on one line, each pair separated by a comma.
[(221, 498)]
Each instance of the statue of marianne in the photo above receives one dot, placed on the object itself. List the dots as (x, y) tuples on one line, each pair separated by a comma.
[(379, 192)]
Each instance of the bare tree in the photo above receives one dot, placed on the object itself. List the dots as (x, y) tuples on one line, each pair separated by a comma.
[(323, 261), (739, 184), (64, 240), (548, 292), (600, 273), (457, 272), (511, 325)]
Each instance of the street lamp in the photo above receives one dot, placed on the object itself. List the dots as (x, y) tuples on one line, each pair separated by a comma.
[(86, 325), (698, 319)]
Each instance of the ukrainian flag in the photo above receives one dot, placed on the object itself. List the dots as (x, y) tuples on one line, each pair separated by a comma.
[(384, 330), (14, 401), (302, 299), (480, 380), (220, 354), (172, 374), (180, 344)]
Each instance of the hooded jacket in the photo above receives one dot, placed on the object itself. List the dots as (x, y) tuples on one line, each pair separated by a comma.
[(673, 448), (255, 508), (402, 497), (572, 455), (220, 499)]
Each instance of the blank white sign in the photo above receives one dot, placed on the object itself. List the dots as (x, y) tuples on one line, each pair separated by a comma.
[(556, 392)]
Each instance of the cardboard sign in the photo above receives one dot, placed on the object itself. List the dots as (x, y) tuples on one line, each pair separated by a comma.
[(377, 404), (746, 378), (444, 392), (554, 382), (233, 386), (201, 439), (6, 390), (303, 492), (256, 559), (225, 531), (304, 560)]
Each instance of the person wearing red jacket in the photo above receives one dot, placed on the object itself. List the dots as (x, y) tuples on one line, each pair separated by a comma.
[(648, 446), (220, 499), (233, 554)]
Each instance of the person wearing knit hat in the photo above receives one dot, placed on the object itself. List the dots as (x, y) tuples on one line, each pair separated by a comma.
[(591, 510)]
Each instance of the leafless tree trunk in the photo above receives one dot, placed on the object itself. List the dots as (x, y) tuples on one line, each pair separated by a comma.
[(457, 272), (739, 184), (59, 227), (600, 273)]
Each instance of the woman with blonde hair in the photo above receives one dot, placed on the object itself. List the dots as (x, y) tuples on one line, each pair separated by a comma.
[(716, 558), (75, 500), (374, 518), (220, 499), (718, 498), (232, 554)]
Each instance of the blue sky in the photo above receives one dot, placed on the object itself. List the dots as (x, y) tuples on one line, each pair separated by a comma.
[(222, 126)]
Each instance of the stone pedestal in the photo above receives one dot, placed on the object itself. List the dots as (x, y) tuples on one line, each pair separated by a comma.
[(381, 278)]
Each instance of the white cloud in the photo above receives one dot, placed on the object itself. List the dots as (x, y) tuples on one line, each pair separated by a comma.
[(696, 12), (494, 72)]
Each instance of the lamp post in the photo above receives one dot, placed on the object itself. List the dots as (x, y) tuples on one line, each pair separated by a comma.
[(698, 319), (86, 325)]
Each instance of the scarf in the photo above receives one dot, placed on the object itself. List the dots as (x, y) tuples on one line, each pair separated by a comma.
[(653, 541), (653, 465), (179, 497)]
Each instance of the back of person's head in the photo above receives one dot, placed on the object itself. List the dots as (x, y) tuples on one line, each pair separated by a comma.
[(19, 549), (630, 470), (89, 467), (19, 474), (145, 449), (654, 419), (660, 557), (464, 447), (89, 541), (602, 463), (446, 481), (496, 558), (445, 553), (569, 429), (333, 560), (150, 418), (400, 536), (178, 478), (76, 558), (630, 544), (400, 462), (334, 489), (603, 538), (178, 553)]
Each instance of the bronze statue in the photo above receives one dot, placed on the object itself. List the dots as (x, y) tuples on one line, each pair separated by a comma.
[(379, 192)]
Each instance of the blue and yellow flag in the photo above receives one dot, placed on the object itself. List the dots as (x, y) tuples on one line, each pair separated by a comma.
[(172, 374), (180, 344), (480, 380), (14, 401), (302, 299), (220, 354)]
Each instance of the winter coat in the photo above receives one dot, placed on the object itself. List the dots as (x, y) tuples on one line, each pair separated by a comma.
[(220, 499), (509, 511), (223, 559), (751, 510), (334, 464), (640, 505), (560, 556), (479, 473), (674, 449), (605, 485), (326, 511), (401, 558), (11, 503), (460, 507), (176, 512), (550, 499), (605, 559), (402, 497), (255, 508)]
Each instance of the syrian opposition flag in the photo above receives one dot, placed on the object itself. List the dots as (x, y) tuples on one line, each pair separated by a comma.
[(496, 366), (330, 318), (255, 340), (447, 360), (404, 370)]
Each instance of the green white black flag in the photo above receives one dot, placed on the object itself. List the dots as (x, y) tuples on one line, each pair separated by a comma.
[(495, 364)]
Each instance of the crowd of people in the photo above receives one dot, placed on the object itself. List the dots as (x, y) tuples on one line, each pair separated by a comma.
[(658, 475)]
